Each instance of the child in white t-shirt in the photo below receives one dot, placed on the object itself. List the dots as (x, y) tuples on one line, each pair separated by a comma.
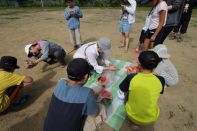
[(157, 21)]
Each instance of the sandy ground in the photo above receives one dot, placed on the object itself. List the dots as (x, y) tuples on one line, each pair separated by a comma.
[(178, 104)]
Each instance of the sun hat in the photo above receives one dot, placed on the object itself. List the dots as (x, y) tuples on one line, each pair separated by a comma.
[(27, 47), (77, 69), (105, 44), (161, 51), (8, 62)]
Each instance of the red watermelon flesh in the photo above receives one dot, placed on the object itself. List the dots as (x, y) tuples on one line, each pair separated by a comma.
[(102, 79), (105, 94), (132, 68)]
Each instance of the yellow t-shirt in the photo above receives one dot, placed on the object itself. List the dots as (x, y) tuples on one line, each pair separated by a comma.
[(7, 79), (144, 91)]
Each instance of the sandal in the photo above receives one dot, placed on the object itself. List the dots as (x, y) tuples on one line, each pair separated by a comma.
[(137, 52)]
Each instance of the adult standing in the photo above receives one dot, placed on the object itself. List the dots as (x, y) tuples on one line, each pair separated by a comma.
[(173, 17), (182, 27), (127, 19)]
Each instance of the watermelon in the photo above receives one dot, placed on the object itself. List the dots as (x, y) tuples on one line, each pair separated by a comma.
[(102, 79), (105, 94)]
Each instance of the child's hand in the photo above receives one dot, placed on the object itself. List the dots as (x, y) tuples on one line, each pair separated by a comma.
[(29, 64), (72, 12), (131, 69)]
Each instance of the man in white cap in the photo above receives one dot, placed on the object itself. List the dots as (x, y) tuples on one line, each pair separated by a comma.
[(96, 54), (165, 67), (45, 50)]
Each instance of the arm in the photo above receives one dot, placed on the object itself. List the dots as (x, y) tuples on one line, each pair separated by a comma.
[(67, 14), (124, 86), (79, 13), (91, 58), (28, 79), (131, 9), (45, 55), (175, 5), (91, 107), (161, 23)]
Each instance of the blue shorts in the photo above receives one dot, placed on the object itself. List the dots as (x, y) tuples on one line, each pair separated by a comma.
[(124, 26)]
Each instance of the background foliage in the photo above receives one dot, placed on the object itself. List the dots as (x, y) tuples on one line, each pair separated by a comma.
[(50, 3)]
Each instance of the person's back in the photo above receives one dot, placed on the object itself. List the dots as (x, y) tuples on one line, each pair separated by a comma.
[(68, 109), (165, 68), (168, 71), (85, 50), (143, 90), (174, 12), (71, 103)]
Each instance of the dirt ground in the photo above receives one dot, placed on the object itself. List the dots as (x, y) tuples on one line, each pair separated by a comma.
[(178, 104)]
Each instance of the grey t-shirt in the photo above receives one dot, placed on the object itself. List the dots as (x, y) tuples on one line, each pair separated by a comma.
[(168, 71), (48, 48)]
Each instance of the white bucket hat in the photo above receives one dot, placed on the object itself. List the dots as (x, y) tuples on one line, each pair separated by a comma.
[(27, 49), (161, 51), (105, 44)]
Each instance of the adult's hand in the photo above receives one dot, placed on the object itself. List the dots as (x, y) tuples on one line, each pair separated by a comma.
[(112, 68)]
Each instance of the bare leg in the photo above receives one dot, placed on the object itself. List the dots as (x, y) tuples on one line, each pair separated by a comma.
[(14, 93), (146, 44), (126, 41), (122, 41)]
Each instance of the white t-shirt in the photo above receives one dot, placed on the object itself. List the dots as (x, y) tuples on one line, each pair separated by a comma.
[(154, 22), (90, 53)]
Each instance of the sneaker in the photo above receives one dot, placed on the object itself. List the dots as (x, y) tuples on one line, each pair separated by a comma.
[(179, 39), (172, 37)]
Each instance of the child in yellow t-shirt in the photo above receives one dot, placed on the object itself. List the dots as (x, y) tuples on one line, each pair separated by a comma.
[(144, 89), (11, 83)]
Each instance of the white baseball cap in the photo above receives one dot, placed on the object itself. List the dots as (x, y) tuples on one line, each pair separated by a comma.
[(27, 47)]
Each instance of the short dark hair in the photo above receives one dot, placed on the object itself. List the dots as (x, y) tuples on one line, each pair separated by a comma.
[(78, 68), (148, 60)]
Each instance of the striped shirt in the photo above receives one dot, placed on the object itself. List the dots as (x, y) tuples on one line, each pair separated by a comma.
[(168, 71)]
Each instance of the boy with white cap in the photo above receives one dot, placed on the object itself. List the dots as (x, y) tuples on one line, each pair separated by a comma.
[(45, 50), (96, 54), (165, 67)]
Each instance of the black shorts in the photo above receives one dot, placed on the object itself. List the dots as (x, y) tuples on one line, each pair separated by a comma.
[(158, 38), (142, 36), (10, 90)]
